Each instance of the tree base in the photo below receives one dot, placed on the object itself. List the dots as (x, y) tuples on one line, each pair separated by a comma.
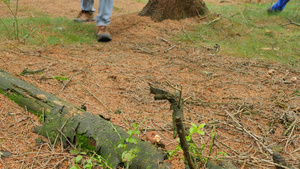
[(173, 9)]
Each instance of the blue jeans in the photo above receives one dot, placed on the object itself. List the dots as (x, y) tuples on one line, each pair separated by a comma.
[(280, 4), (105, 10)]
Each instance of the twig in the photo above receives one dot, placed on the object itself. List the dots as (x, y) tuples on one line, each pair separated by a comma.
[(290, 127), (96, 79), (45, 164), (4, 26), (249, 133), (249, 31), (49, 144), (291, 22), (296, 150), (66, 139), (66, 84), (289, 138), (60, 130), (143, 50), (167, 50), (95, 97), (213, 21), (26, 71), (235, 151), (39, 150), (55, 166), (168, 83)]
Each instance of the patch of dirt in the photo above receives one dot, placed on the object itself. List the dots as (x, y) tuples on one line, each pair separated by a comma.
[(240, 97)]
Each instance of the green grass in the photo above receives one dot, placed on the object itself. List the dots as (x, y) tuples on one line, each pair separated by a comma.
[(143, 1), (45, 30), (247, 30), (244, 30)]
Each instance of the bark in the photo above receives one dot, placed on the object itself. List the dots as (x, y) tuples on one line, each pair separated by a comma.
[(77, 126), (173, 9)]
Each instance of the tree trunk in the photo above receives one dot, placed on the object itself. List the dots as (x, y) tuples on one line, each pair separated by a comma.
[(173, 9), (76, 126)]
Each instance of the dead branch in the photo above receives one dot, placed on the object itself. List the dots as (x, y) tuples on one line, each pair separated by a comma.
[(177, 106), (291, 22)]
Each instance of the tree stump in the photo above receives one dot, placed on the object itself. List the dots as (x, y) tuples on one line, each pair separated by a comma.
[(173, 9)]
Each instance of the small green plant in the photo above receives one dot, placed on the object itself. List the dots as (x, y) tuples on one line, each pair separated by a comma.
[(192, 147), (221, 153), (77, 162), (61, 78), (90, 162), (174, 152), (195, 129), (128, 155)]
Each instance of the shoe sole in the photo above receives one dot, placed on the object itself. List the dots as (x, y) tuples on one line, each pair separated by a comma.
[(104, 37), (83, 21)]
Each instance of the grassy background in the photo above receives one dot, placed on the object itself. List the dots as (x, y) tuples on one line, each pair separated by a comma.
[(247, 30), (45, 30), (244, 30)]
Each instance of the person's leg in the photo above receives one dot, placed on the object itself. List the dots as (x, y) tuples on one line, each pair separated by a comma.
[(103, 20), (87, 5), (279, 5), (105, 11), (87, 11)]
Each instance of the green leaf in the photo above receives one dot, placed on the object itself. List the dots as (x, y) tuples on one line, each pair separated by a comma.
[(134, 125), (134, 150), (75, 152), (78, 159), (88, 165), (136, 132), (83, 153), (193, 130), (75, 167), (120, 146), (131, 140), (127, 156), (130, 132), (60, 78), (201, 132), (194, 125), (201, 126), (188, 138)]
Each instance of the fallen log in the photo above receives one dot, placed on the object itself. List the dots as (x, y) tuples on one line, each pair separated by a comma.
[(77, 126)]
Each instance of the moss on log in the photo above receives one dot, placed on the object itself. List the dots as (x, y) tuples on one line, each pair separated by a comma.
[(77, 126)]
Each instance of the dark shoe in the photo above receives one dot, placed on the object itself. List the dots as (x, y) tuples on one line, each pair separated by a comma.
[(270, 10), (102, 34), (85, 16)]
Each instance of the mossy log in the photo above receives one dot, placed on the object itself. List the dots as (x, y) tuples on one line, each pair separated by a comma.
[(77, 126)]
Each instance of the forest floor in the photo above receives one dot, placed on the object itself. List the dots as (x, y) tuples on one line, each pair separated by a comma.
[(245, 100)]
